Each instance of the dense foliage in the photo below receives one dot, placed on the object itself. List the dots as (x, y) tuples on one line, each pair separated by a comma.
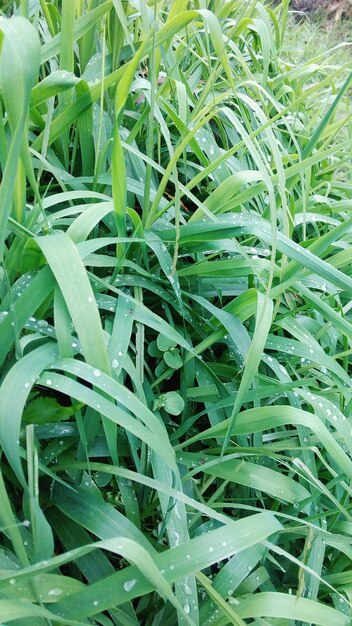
[(175, 318)]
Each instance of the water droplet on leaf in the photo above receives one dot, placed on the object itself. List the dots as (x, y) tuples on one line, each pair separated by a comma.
[(129, 584)]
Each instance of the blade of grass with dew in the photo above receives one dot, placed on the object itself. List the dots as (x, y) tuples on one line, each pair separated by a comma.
[(200, 556)]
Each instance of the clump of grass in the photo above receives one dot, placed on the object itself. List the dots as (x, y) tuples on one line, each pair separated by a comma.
[(311, 36), (175, 329)]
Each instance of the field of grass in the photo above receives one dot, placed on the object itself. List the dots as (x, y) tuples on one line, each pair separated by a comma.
[(175, 317)]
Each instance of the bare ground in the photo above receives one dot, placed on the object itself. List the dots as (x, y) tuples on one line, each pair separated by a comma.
[(333, 10)]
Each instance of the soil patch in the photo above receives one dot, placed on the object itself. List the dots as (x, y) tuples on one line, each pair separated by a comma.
[(334, 10)]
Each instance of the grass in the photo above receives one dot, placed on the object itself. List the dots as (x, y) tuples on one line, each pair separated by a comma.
[(175, 318), (312, 35)]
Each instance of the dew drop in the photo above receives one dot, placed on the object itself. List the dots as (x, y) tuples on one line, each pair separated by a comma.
[(55, 591), (187, 588), (187, 608), (96, 373), (175, 537), (129, 584)]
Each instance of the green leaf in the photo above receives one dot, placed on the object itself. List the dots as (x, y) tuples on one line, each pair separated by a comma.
[(173, 359), (44, 410), (284, 606), (19, 67), (165, 343), (173, 403), (65, 263), (14, 393), (153, 349)]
